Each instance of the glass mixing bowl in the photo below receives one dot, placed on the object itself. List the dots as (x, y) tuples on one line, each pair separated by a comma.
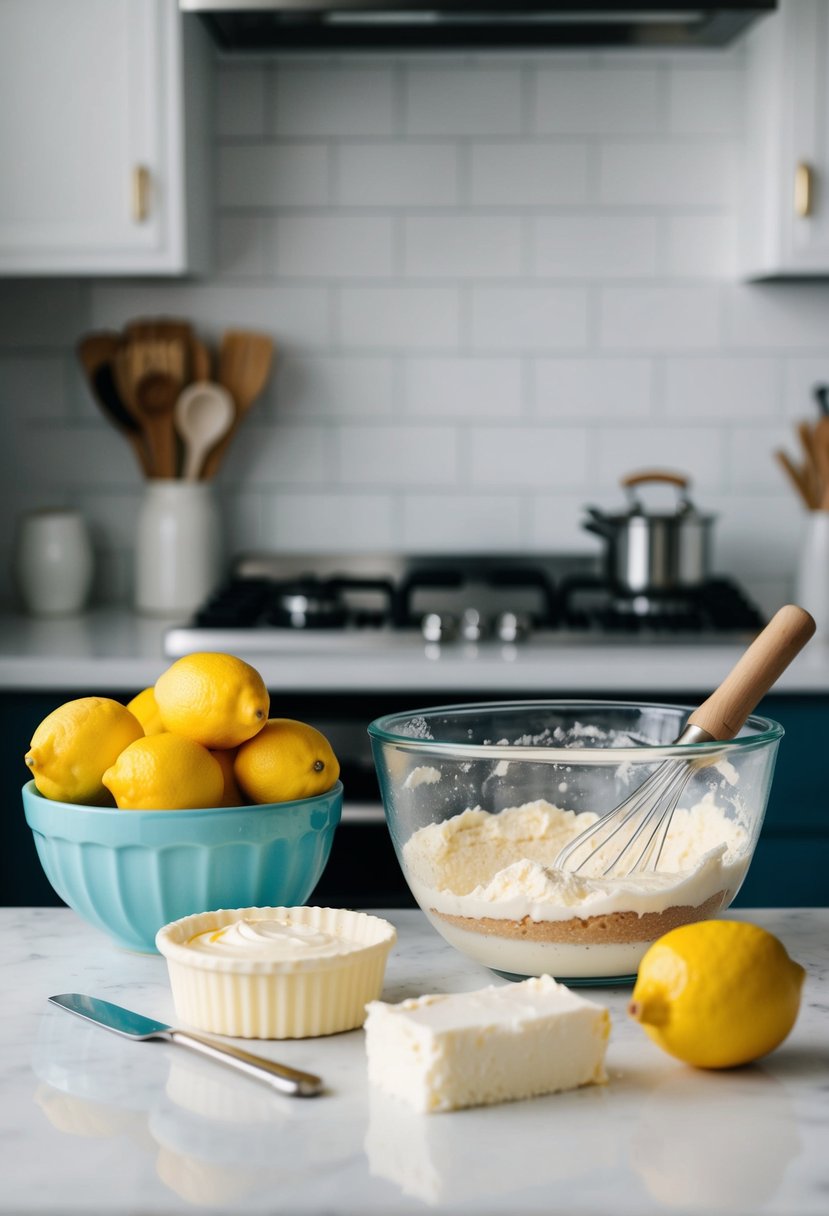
[(480, 798)]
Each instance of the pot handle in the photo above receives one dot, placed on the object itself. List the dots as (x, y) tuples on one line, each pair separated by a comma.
[(662, 475), (598, 523)]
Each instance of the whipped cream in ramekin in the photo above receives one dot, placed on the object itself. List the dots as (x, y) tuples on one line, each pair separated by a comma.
[(276, 973), (269, 939)]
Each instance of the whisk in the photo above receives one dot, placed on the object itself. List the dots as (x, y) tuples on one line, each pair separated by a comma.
[(640, 824)]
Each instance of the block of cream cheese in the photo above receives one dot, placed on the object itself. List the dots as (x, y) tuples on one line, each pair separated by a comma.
[(495, 1045)]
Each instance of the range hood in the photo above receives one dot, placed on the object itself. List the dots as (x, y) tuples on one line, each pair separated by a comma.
[(284, 25)]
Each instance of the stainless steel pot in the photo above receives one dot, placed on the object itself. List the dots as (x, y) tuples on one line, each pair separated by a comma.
[(652, 550)]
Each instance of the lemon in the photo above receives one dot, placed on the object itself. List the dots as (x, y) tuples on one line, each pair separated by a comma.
[(165, 773), (717, 993), (216, 699), (232, 795), (145, 709), (74, 745), (286, 760)]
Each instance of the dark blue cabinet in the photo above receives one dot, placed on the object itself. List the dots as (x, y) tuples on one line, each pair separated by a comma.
[(790, 867)]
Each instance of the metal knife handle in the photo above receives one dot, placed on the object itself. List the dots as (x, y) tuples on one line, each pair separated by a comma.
[(279, 1076)]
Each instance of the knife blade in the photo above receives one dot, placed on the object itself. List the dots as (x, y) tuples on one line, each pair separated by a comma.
[(140, 1028)]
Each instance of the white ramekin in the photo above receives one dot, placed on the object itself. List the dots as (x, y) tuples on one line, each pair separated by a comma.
[(296, 999)]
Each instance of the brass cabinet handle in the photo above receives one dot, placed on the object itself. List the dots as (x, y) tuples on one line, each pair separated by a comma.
[(140, 193), (803, 189)]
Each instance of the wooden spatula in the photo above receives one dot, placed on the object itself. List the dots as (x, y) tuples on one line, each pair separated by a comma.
[(244, 366)]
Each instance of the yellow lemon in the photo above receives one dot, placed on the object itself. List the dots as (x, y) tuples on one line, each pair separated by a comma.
[(165, 773), (232, 795), (717, 993), (145, 709), (74, 745), (216, 699), (286, 760)]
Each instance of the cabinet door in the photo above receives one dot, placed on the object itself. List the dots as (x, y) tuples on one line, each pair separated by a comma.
[(90, 136), (788, 144)]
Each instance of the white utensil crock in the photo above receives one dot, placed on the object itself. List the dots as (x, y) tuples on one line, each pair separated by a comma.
[(812, 579), (178, 551), (53, 562)]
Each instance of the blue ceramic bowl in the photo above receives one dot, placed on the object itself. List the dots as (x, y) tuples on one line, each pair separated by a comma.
[(130, 872)]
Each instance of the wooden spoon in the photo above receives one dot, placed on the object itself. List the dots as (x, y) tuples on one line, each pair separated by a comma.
[(155, 398), (106, 394), (203, 414), (244, 366)]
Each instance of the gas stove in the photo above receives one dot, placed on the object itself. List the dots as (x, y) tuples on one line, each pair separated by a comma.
[(354, 603)]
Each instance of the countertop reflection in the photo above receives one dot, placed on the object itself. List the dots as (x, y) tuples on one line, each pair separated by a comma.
[(91, 1122)]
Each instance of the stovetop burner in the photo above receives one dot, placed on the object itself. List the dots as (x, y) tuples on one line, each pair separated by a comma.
[(440, 599)]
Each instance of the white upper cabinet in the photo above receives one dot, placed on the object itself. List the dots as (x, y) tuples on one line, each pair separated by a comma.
[(104, 138), (785, 203)]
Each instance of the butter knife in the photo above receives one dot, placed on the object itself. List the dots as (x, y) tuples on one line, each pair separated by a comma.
[(136, 1026)]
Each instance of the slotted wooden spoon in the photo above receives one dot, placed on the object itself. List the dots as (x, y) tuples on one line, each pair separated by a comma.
[(155, 398)]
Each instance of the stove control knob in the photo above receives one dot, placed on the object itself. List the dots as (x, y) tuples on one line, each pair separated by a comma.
[(512, 626), (439, 627), (472, 625)]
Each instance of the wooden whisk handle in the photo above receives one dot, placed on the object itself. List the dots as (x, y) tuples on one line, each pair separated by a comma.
[(752, 676)]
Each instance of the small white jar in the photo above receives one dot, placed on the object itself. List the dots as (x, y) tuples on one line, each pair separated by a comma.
[(53, 561), (178, 549)]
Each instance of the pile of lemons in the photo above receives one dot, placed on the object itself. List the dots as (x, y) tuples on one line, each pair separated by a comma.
[(200, 737)]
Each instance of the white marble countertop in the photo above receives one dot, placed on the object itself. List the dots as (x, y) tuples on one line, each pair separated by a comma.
[(115, 650), (92, 1124)]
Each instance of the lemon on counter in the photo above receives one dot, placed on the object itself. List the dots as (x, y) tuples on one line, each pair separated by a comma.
[(286, 760), (76, 743), (717, 993), (216, 699), (165, 773), (145, 709)]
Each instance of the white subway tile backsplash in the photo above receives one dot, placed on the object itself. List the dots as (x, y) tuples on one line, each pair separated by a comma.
[(323, 522), (334, 386), (463, 388), (777, 316), (399, 318), (594, 246), (528, 457), (802, 375), (462, 247), (33, 388), (273, 175), (294, 315), (335, 100), (732, 387), (528, 174), (462, 523), (699, 452), (598, 389), (288, 455), (705, 102), (397, 175), (475, 101), (660, 318), (496, 284), (398, 456), (597, 101), (701, 246), (332, 246), (240, 101), (528, 318), (668, 174), (242, 247)]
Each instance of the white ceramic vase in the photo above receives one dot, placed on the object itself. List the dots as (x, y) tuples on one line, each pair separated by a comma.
[(53, 562), (812, 578), (178, 549)]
